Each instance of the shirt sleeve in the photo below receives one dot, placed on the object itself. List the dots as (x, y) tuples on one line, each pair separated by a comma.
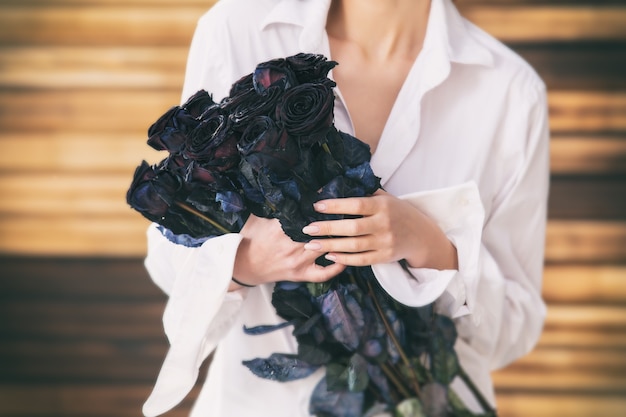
[(495, 295), (200, 310), (206, 61)]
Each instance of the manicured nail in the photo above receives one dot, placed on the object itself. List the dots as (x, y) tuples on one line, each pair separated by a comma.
[(310, 230), (313, 246), (330, 257), (319, 206)]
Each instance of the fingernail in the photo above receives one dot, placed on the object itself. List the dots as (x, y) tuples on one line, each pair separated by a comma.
[(312, 246), (310, 230), (330, 257), (319, 206)]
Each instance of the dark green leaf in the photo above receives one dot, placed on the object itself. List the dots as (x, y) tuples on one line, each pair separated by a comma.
[(444, 364), (335, 404), (358, 378), (318, 288), (312, 352), (296, 304)]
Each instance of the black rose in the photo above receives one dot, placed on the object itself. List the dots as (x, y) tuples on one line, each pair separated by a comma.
[(198, 103), (248, 105), (153, 191), (275, 73), (212, 142), (306, 111), (264, 144), (241, 86), (310, 67), (169, 132)]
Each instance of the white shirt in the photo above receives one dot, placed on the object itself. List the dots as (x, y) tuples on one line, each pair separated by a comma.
[(466, 142)]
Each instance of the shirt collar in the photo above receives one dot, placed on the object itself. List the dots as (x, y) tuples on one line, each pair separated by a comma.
[(447, 31)]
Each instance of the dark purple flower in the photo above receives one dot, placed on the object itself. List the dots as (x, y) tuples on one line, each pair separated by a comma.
[(264, 144), (169, 132), (249, 104), (198, 103), (241, 86), (212, 143), (310, 67), (274, 73), (153, 191), (306, 111)]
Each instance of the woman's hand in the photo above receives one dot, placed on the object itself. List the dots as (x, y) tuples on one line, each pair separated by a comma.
[(266, 254), (388, 230)]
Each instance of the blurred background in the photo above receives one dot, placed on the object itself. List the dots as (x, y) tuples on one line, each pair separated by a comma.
[(80, 321)]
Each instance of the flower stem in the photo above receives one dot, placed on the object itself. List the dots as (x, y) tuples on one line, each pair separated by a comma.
[(396, 382), (477, 394), (202, 216), (405, 359)]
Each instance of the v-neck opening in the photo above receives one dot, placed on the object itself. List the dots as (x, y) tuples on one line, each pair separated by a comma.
[(394, 108)]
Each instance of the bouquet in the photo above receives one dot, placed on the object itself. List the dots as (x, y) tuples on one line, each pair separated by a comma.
[(271, 149)]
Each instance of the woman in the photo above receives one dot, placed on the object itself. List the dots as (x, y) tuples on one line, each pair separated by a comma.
[(457, 124)]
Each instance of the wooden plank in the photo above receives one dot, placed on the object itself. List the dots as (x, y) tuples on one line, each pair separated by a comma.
[(588, 198), (550, 23), (102, 25), (516, 403), (562, 360), (86, 279), (585, 284), (131, 68), (74, 236), (571, 380), (587, 111), (575, 155), (81, 400), (74, 153), (608, 317), (577, 66), (84, 110), (76, 361), (575, 338), (66, 195), (81, 321), (586, 241)]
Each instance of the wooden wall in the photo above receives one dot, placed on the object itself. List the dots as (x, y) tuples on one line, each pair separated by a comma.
[(80, 82)]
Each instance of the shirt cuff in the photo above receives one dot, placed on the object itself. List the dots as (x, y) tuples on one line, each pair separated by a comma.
[(199, 311), (459, 212)]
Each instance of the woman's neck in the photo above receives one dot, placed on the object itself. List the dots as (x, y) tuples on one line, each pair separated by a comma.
[(380, 29)]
